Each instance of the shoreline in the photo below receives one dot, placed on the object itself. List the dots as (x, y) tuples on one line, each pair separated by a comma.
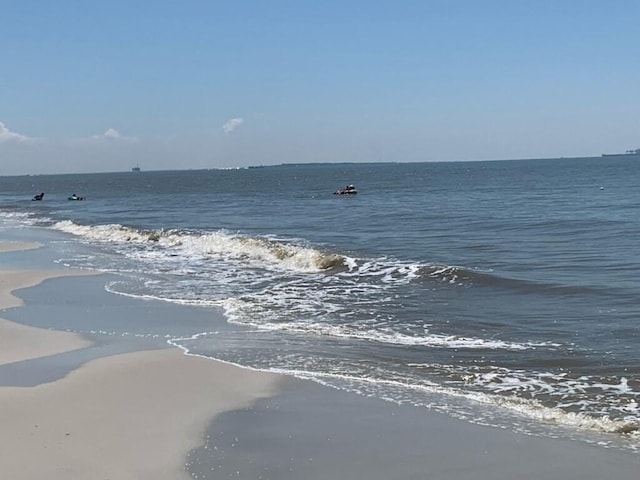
[(153, 412), (17, 246), (312, 432), (128, 416), (22, 342)]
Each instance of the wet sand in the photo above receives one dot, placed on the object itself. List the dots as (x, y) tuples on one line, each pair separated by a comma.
[(21, 342), (312, 432), (128, 416)]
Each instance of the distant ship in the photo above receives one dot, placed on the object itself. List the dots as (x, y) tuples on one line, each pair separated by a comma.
[(136, 168), (628, 152)]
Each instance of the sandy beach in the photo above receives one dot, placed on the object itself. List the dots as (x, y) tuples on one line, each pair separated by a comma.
[(130, 416)]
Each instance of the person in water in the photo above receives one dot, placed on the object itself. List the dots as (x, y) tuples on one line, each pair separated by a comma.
[(346, 189), (39, 196)]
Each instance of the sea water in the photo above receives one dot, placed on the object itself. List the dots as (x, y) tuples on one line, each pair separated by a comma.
[(505, 293)]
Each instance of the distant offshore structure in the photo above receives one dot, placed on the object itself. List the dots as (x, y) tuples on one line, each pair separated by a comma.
[(628, 152), (136, 168)]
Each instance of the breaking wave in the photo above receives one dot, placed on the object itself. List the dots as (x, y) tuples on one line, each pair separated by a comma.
[(264, 252), (275, 284)]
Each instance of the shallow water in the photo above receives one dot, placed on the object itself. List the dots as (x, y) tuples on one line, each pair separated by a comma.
[(501, 292)]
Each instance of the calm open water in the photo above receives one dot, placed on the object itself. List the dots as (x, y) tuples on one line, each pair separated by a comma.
[(505, 293)]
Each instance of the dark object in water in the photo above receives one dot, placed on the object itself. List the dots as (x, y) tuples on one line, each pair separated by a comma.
[(346, 190)]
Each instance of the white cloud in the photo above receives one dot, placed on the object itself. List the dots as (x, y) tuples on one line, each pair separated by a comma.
[(7, 135), (113, 135), (231, 125)]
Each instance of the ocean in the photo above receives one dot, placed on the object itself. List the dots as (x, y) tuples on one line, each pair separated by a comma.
[(504, 293)]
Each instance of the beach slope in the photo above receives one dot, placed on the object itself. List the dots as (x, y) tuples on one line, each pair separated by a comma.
[(129, 416)]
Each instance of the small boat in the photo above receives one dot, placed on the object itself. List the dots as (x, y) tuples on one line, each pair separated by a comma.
[(136, 168), (75, 197), (346, 190)]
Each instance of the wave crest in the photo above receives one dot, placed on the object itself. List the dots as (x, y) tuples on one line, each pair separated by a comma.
[(264, 252)]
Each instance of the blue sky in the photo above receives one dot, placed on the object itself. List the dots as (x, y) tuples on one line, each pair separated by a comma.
[(101, 86)]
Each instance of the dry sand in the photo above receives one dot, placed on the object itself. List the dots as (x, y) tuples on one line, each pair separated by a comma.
[(130, 416)]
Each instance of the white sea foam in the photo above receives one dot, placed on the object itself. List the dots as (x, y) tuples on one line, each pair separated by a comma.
[(588, 403), (14, 219), (236, 312)]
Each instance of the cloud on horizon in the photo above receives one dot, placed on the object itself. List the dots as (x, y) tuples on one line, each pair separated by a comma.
[(113, 135), (231, 124), (7, 135)]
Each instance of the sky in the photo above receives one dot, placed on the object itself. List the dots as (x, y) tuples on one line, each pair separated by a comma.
[(88, 86)]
